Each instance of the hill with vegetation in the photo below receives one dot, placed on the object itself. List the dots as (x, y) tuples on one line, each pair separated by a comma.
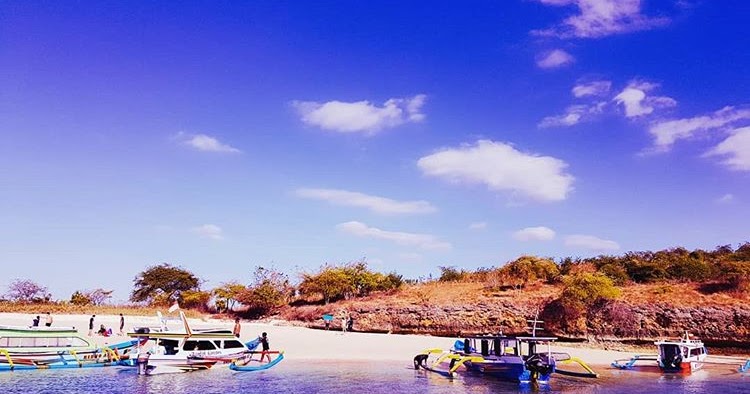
[(638, 296)]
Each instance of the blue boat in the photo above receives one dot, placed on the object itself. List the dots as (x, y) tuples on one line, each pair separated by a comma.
[(510, 358)]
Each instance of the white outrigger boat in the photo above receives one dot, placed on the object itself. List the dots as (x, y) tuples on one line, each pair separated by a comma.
[(161, 351), (55, 347), (684, 355)]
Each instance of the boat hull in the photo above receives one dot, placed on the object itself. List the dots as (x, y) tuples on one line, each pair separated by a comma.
[(507, 371)]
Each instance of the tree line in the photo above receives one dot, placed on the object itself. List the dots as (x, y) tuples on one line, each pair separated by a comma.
[(584, 281)]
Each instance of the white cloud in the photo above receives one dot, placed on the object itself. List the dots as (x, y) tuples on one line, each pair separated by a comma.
[(735, 150), (540, 233), (478, 226), (210, 231), (376, 204), (555, 59), (573, 115), (666, 133), (501, 167), (591, 242), (424, 241), (601, 18), (725, 199), (205, 143), (361, 116), (638, 103), (592, 88)]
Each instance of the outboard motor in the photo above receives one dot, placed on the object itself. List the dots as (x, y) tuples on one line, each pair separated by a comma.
[(142, 363), (538, 366)]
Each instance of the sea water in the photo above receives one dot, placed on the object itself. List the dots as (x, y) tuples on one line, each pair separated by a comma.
[(291, 377)]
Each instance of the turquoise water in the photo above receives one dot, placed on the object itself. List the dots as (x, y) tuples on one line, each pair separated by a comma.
[(354, 377)]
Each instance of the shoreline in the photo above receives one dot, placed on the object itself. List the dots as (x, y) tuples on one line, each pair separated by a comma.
[(302, 343), (308, 344)]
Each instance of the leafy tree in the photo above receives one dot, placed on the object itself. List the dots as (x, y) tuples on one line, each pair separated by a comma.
[(195, 299), (330, 283), (616, 272), (270, 290), (228, 294), (79, 298), (163, 282), (452, 274), (24, 290), (586, 289), (526, 269)]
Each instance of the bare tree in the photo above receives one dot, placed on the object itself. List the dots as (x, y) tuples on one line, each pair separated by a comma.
[(25, 290)]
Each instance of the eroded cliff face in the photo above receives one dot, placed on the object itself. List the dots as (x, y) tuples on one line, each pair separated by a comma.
[(719, 325)]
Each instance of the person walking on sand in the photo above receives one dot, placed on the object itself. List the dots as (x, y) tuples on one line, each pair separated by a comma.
[(237, 327), (344, 320), (265, 346), (122, 325), (48, 323), (91, 326), (35, 322)]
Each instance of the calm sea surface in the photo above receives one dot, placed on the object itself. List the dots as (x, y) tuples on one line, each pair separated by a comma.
[(355, 377)]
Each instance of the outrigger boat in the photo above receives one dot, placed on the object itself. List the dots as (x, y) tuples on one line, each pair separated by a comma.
[(684, 356), (162, 351), (516, 359), (55, 347)]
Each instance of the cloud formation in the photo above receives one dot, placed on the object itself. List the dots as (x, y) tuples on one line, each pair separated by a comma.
[(361, 116), (666, 133), (591, 88), (555, 59), (601, 18), (424, 241), (735, 150), (540, 233), (573, 115), (638, 103), (501, 167), (725, 199), (375, 204), (636, 99), (205, 143), (209, 231), (590, 242)]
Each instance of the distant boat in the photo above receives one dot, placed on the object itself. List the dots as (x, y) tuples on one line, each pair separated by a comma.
[(55, 347), (682, 355)]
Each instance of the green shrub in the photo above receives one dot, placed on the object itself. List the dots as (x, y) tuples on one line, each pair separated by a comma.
[(586, 289)]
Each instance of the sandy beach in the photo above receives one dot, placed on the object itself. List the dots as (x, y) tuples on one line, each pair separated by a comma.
[(299, 342)]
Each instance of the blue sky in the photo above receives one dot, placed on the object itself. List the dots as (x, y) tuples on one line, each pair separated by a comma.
[(220, 136)]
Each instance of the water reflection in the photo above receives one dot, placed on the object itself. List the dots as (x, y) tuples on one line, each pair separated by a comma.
[(353, 377)]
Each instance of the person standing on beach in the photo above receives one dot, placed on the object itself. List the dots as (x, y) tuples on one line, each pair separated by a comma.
[(237, 327), (344, 320), (91, 326), (35, 322), (49, 320), (265, 346), (122, 324)]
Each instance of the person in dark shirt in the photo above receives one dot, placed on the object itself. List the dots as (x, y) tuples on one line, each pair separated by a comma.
[(91, 326), (265, 346), (35, 322), (122, 324), (237, 328)]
